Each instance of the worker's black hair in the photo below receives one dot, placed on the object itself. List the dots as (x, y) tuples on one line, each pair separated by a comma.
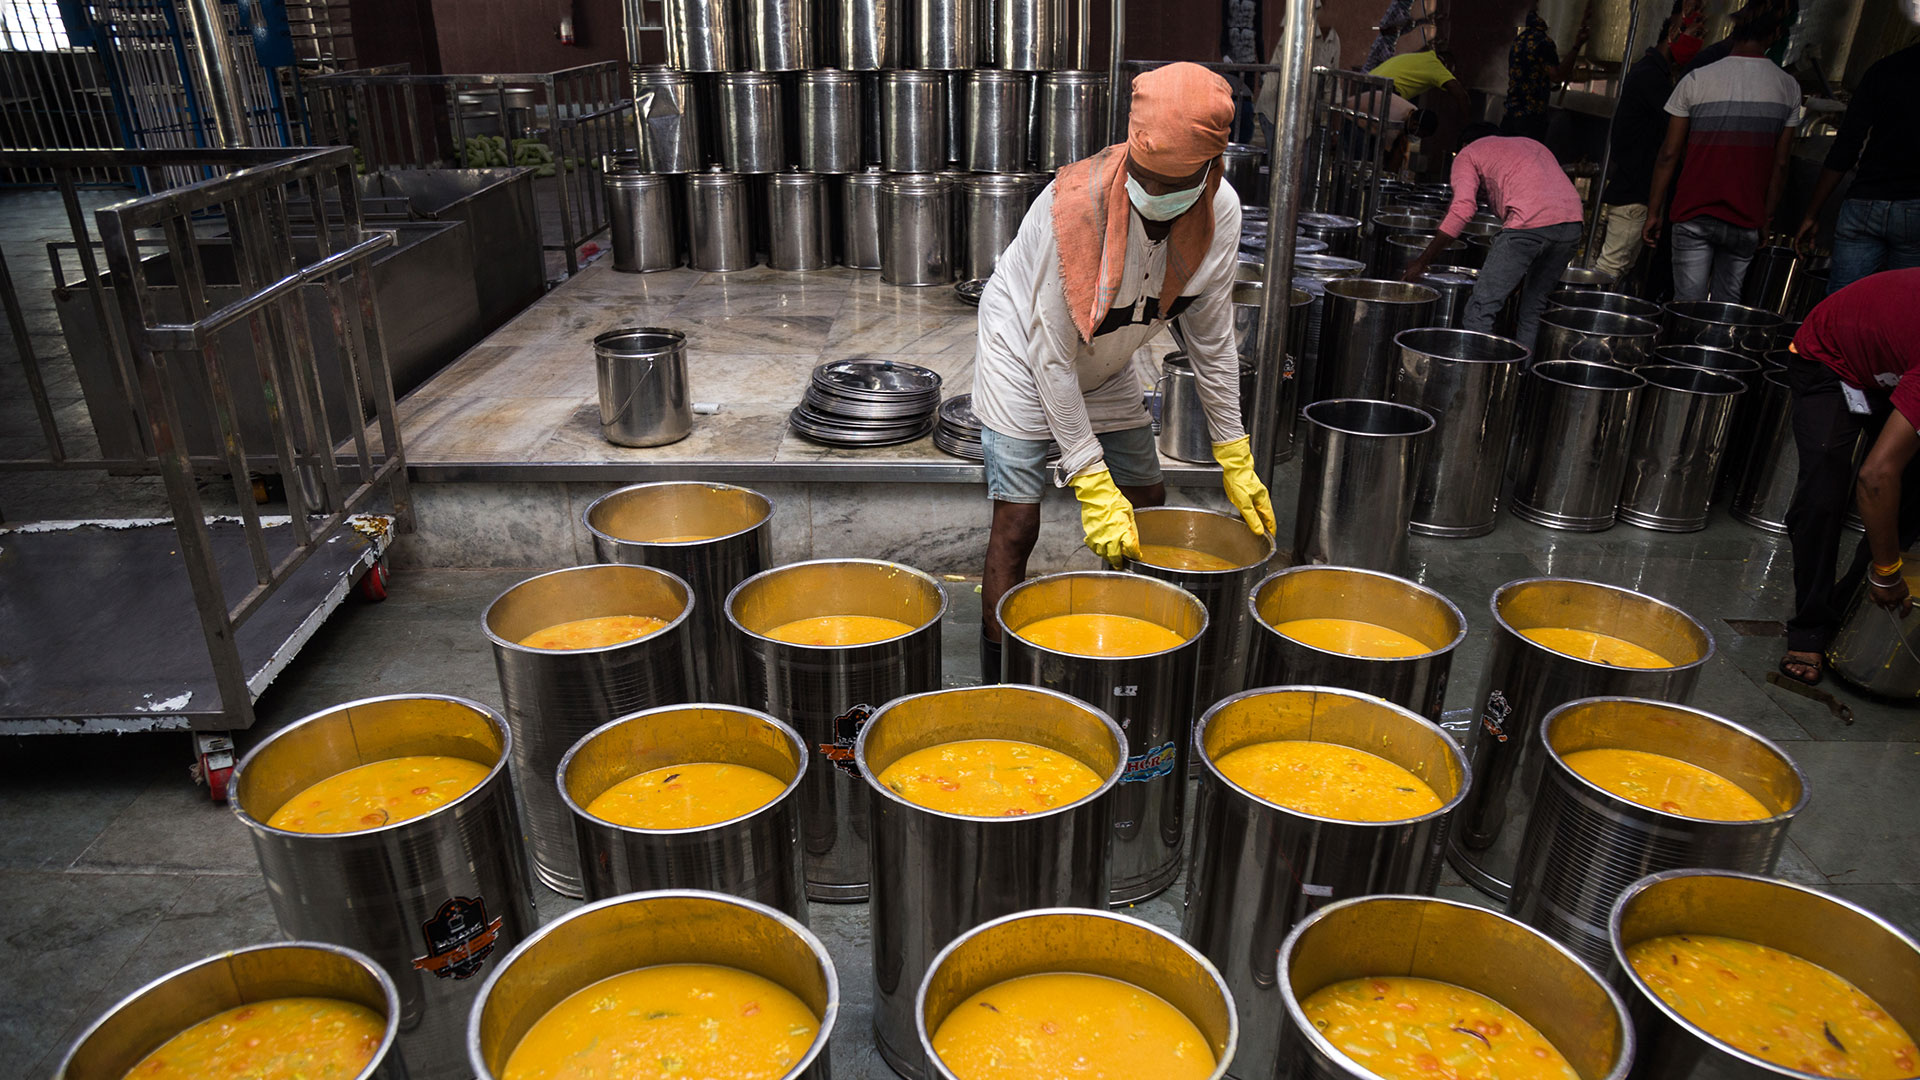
[(1423, 122), (1764, 20), (1479, 129)]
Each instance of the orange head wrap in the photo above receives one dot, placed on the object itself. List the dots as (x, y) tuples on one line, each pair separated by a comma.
[(1179, 118)]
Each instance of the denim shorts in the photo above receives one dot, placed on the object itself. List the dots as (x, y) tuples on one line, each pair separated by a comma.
[(1017, 468)]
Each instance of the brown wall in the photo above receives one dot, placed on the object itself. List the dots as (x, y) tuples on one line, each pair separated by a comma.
[(514, 36)]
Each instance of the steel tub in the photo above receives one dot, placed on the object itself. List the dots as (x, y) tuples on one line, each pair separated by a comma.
[(913, 131), (1221, 661), (778, 34), (752, 128), (1765, 488), (1586, 277), (997, 107), (1574, 432), (1357, 481), (992, 207), (667, 109), (1311, 274), (860, 219), (1594, 336), (1595, 300), (1455, 284), (640, 212), (1874, 650), (916, 229), (799, 225), (944, 34), (1723, 326), (1402, 248), (1680, 431), (641, 376), (1071, 113), (1028, 35), (1357, 327), (1341, 234), (871, 33), (1470, 384), (700, 35), (719, 222), (829, 122)]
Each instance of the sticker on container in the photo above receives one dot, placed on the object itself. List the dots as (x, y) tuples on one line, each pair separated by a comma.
[(1152, 765), (1126, 691), (459, 938), (846, 732), (1316, 890), (1494, 717)]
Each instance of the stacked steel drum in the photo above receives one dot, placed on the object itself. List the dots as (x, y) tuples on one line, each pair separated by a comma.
[(856, 403)]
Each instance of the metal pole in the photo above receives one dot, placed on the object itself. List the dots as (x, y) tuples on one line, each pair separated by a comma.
[(1116, 70), (1082, 35), (213, 62), (1606, 156), (1283, 203)]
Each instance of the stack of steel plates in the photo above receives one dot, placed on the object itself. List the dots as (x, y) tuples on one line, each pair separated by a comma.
[(969, 291), (859, 402), (959, 431)]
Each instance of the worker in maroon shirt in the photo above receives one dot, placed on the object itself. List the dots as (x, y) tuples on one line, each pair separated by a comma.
[(1856, 368)]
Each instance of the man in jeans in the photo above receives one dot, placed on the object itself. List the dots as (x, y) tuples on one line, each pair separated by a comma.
[(1734, 122), (1879, 226), (1639, 122), (1540, 217)]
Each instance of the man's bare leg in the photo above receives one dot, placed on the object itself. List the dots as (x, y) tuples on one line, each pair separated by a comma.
[(1010, 541)]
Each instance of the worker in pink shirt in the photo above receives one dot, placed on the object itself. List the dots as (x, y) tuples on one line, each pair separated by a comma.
[(1540, 215)]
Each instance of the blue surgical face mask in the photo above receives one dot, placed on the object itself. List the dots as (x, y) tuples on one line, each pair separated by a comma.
[(1164, 207)]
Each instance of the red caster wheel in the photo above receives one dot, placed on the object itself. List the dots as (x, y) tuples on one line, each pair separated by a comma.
[(373, 584), (213, 762)]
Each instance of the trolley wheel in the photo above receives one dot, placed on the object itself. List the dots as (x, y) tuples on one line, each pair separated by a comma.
[(373, 584), (213, 762)]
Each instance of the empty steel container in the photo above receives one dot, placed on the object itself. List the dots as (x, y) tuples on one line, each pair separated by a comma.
[(555, 696), (667, 111), (752, 129), (997, 107), (1417, 682), (1724, 326), (1595, 300), (1446, 941), (1086, 942), (1357, 327), (1029, 35), (1247, 292), (860, 219), (1585, 277), (700, 35), (1357, 482), (1072, 115), (1594, 336), (1524, 680), (945, 34), (1680, 431), (640, 220), (642, 377), (916, 230), (1260, 867), (431, 898), (111, 1046), (1846, 939), (1874, 650), (719, 222), (712, 536), (1311, 274), (778, 34), (829, 121), (992, 207), (1151, 696), (1470, 384), (1403, 248), (1341, 234), (1767, 478), (756, 855), (1586, 844), (1221, 661), (1455, 284), (799, 222), (1240, 167), (649, 929), (913, 121), (938, 875), (1183, 420), (871, 32), (826, 692), (1575, 436)]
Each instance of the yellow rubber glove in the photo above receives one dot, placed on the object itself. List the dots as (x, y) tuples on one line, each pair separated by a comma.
[(1244, 490), (1107, 517)]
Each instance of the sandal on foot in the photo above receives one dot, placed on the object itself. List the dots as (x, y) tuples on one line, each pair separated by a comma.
[(1794, 668)]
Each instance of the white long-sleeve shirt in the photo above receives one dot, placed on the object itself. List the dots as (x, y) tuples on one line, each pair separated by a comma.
[(1033, 376)]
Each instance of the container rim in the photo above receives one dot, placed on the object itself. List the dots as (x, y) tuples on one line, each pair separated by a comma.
[(1405, 338), (754, 77), (1272, 545), (732, 595), (686, 611), (1111, 780), (1570, 298), (1663, 377), (492, 716), (1633, 892), (1453, 748), (792, 736), (1771, 747), (1720, 313), (586, 516), (672, 338), (1195, 601), (796, 178), (1253, 604), (1566, 317), (1367, 290), (379, 973), (1315, 219), (814, 1049), (1739, 359), (1308, 412), (1546, 369), (1493, 604), (939, 1068), (828, 74)]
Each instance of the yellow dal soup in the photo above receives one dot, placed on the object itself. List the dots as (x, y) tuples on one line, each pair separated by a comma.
[(840, 630), (1100, 635), (1667, 783), (1328, 780), (684, 538), (678, 1021), (1179, 558), (294, 1038), (1354, 638), (379, 793), (1776, 1006), (1599, 648), (1085, 1026), (686, 796), (1421, 1029), (989, 778), (594, 633)]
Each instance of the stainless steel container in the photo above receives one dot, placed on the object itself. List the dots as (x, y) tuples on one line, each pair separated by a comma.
[(992, 207), (1875, 649), (1403, 248), (997, 107), (1593, 336), (1680, 431), (667, 111), (1183, 420), (913, 121), (640, 221), (642, 930), (1222, 660), (430, 899), (1480, 950), (1357, 482), (1311, 273), (1259, 867), (1071, 113), (711, 536), (799, 222), (1595, 300), (1362, 315), (860, 219), (1418, 683), (556, 696), (752, 128), (1247, 293), (1846, 939), (1479, 235), (1723, 326), (1151, 696), (719, 222), (642, 376), (1585, 845), (945, 34), (1341, 234), (1523, 681), (871, 32), (938, 875), (829, 121), (1585, 277), (1455, 284), (1028, 35), (1241, 166), (1765, 488), (1086, 942), (1470, 384), (1397, 223), (756, 855), (1575, 432), (701, 35), (111, 1046), (827, 692), (1773, 279), (778, 34), (916, 230)]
